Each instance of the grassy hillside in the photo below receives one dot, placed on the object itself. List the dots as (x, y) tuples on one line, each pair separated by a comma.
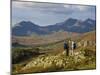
[(89, 36), (35, 40), (51, 57)]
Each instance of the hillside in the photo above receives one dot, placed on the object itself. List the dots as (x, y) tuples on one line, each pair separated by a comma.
[(42, 39), (51, 57), (89, 36)]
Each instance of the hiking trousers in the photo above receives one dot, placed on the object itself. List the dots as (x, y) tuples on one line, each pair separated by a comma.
[(67, 52)]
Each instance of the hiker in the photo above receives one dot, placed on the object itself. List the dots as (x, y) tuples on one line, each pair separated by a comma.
[(73, 47), (66, 48)]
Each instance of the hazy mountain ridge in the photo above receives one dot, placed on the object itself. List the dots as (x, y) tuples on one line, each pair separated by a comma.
[(25, 28)]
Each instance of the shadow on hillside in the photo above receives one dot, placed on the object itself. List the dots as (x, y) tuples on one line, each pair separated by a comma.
[(23, 55)]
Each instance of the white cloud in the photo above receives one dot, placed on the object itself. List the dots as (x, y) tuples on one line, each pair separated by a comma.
[(22, 4), (67, 6), (82, 8), (78, 7)]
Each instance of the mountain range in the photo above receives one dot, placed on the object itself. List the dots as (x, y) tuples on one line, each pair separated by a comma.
[(25, 28)]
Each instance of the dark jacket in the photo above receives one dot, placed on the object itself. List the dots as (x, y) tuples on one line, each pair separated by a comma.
[(66, 46)]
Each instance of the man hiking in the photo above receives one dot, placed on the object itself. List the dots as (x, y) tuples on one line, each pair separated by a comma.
[(66, 48), (73, 47)]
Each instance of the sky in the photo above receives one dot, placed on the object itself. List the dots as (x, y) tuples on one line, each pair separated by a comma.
[(44, 14)]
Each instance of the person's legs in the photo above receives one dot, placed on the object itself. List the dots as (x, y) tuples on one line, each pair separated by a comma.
[(67, 52), (72, 51)]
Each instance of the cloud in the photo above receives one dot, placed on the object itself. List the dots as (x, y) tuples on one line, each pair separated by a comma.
[(76, 7), (82, 8), (39, 12), (49, 7), (19, 4), (42, 7), (66, 6)]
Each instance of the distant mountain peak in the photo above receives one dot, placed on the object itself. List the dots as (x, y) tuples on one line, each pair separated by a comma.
[(90, 21), (25, 22), (70, 25), (71, 19)]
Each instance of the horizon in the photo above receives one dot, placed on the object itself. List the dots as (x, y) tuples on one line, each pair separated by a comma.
[(38, 12)]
